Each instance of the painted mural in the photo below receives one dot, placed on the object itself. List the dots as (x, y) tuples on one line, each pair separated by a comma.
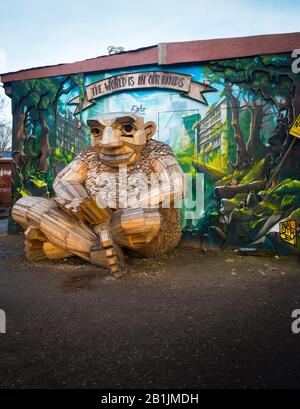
[(236, 136)]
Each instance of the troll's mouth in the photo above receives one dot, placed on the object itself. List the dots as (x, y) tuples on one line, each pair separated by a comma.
[(115, 158)]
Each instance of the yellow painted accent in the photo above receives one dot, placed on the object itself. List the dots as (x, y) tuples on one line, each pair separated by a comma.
[(288, 232), (295, 129)]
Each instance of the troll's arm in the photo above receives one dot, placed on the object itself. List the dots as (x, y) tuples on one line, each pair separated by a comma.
[(68, 185), (167, 184), (72, 197)]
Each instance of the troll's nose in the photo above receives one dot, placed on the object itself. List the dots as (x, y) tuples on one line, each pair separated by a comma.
[(110, 138)]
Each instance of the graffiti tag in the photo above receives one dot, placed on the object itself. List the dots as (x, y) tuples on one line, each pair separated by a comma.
[(288, 232), (138, 109)]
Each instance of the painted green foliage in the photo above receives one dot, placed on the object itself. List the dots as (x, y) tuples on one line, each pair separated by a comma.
[(249, 184), (260, 186), (36, 107)]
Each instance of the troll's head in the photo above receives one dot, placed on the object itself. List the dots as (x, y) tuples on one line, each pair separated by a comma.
[(120, 138)]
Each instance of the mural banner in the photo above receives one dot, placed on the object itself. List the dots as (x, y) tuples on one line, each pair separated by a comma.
[(143, 80)]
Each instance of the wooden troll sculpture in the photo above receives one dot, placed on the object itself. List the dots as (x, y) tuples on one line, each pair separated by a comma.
[(117, 193)]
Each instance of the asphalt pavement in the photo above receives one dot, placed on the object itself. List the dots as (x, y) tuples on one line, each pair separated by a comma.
[(193, 319)]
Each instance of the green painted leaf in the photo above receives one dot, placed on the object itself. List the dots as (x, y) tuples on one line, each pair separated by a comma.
[(24, 192), (38, 183)]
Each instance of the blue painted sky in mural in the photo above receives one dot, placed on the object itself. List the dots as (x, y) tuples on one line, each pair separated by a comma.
[(166, 108), (165, 100), (36, 33)]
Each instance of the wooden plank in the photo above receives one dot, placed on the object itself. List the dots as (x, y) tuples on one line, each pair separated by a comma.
[(53, 252), (34, 234), (34, 250)]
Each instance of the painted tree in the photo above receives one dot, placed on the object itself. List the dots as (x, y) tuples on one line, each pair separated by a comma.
[(5, 127), (35, 105), (265, 85), (5, 138)]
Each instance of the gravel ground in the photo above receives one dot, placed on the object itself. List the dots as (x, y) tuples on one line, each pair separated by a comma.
[(193, 319)]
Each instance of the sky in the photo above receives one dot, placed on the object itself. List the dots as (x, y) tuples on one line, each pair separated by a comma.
[(38, 32)]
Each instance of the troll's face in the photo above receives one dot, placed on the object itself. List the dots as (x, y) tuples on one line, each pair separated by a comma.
[(120, 138)]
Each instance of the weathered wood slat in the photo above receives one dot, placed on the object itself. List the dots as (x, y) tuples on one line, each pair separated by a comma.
[(54, 252)]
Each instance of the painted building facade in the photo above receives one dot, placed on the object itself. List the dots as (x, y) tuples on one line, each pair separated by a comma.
[(224, 106)]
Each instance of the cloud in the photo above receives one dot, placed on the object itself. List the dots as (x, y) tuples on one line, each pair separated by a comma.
[(2, 61), (72, 30)]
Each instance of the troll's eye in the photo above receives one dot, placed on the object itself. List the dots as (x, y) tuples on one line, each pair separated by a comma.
[(127, 128), (96, 131)]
